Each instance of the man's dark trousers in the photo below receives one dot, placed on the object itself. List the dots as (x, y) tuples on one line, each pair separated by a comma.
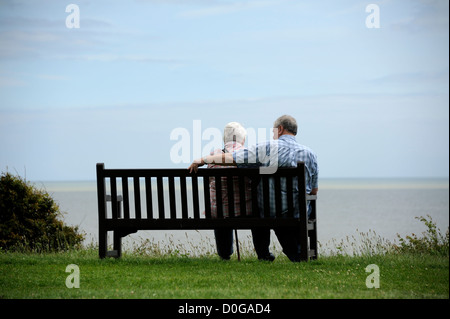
[(288, 237)]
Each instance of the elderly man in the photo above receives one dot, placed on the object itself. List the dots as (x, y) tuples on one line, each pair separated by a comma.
[(282, 151)]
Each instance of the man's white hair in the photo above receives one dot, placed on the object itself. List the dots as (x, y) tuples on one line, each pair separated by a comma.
[(234, 131)]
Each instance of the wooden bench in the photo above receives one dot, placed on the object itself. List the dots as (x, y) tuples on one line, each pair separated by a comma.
[(174, 199)]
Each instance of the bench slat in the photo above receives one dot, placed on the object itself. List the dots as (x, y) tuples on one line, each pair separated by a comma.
[(254, 191), (242, 197), (160, 187), (137, 197), (114, 205), (206, 192), (290, 195), (230, 197), (126, 199), (173, 210), (195, 200), (148, 197), (219, 196), (184, 205), (302, 195), (162, 172), (203, 223), (277, 183)]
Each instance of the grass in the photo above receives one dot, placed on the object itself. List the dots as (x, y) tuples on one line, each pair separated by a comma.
[(416, 268), (135, 276)]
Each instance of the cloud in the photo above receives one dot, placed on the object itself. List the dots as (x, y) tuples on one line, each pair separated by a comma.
[(18, 22), (22, 44), (419, 81), (6, 81), (24, 37), (14, 79), (425, 16), (106, 58), (52, 77)]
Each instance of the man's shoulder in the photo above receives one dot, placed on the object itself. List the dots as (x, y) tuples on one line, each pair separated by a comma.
[(304, 153), (292, 143), (306, 149)]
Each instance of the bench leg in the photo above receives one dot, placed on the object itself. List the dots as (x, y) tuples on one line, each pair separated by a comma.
[(102, 243), (313, 240), (313, 232), (117, 243), (304, 245)]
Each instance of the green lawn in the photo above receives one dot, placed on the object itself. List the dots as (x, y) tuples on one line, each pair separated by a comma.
[(167, 277)]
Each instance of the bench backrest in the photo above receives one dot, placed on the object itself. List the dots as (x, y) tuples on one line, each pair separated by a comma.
[(177, 194)]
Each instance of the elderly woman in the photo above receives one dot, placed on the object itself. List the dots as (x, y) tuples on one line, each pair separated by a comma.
[(234, 139)]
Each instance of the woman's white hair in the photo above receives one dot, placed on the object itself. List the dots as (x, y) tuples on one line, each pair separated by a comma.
[(234, 131)]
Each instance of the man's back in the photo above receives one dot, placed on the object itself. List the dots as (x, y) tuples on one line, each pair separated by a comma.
[(283, 152)]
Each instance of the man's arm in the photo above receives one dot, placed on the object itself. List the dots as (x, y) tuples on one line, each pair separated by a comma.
[(225, 159)]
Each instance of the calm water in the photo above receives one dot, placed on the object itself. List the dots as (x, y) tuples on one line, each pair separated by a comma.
[(345, 207)]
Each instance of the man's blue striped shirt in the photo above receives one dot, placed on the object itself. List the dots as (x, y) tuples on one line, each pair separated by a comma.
[(283, 152)]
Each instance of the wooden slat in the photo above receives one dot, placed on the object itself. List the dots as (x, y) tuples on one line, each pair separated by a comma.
[(115, 208), (195, 200), (160, 188), (202, 223), (277, 190), (173, 209), (290, 196), (242, 197), (207, 197), (302, 192), (254, 191), (137, 197), (219, 196), (184, 205), (126, 200), (249, 172), (148, 197), (230, 196)]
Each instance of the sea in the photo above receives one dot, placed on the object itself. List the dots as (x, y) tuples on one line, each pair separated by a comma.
[(349, 212)]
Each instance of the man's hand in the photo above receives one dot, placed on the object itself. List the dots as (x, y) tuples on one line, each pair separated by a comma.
[(195, 165), (224, 159)]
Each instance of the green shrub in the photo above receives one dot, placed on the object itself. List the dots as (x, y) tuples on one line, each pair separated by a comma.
[(432, 242), (29, 219)]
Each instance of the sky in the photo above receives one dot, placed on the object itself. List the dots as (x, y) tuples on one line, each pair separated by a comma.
[(138, 79)]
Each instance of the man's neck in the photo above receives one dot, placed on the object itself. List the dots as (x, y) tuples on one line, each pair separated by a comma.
[(286, 134)]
